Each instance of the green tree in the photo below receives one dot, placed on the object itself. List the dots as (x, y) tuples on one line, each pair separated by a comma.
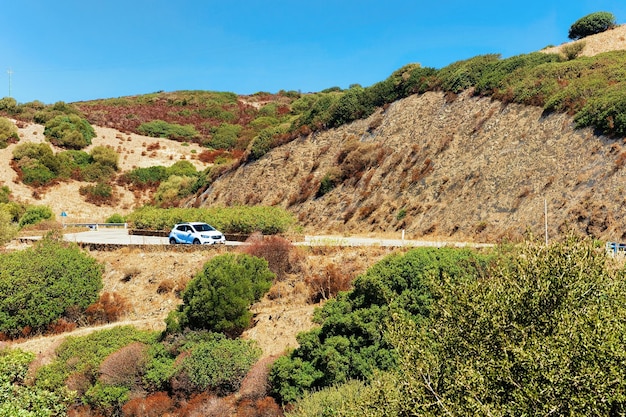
[(543, 335), (220, 296), (591, 24)]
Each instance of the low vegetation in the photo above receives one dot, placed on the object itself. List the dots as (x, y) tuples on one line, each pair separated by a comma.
[(239, 219)]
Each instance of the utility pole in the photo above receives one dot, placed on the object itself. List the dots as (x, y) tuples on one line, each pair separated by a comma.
[(545, 216), (10, 72)]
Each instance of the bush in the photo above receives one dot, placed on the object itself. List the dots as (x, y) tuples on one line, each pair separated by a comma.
[(84, 355), (591, 24), (8, 133), (99, 194), (115, 218), (35, 214), (219, 297), (8, 229), (150, 176), (163, 129), (220, 365), (39, 284), (238, 219), (69, 131), (18, 399), (350, 343), (573, 50), (225, 136), (171, 191), (105, 156), (277, 251), (182, 168)]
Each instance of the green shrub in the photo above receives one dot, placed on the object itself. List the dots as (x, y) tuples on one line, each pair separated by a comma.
[(150, 176), (225, 136), (69, 131), (98, 193), (338, 400), (182, 168), (97, 172), (92, 350), (220, 365), (35, 214), (171, 191), (220, 296), (237, 219), (105, 156), (573, 50), (591, 24), (8, 229), (18, 399), (8, 132), (38, 284), (462, 75), (5, 193), (31, 150), (163, 129), (115, 218)]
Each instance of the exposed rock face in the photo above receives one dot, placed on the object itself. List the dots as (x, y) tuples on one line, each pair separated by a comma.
[(463, 168)]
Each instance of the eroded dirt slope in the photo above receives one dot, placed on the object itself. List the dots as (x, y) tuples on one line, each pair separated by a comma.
[(464, 169)]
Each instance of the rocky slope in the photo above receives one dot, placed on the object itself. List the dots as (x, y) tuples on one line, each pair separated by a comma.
[(461, 168)]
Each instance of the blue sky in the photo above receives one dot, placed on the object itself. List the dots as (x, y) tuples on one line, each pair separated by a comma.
[(76, 50)]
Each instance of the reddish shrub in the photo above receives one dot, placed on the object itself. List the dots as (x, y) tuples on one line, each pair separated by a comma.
[(205, 404), (110, 307), (155, 405), (255, 384), (124, 366), (263, 407), (328, 283), (61, 325), (279, 253)]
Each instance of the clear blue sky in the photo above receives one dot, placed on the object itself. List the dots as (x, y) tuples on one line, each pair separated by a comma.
[(75, 50)]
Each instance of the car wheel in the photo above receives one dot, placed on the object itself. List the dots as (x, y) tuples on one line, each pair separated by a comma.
[(172, 241), (196, 241)]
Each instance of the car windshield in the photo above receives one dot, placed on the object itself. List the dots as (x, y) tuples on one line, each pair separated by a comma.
[(203, 227)]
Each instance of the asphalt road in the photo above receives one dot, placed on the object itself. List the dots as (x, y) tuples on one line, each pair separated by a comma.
[(119, 236)]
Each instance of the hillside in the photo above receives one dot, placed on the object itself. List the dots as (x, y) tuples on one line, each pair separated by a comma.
[(470, 169)]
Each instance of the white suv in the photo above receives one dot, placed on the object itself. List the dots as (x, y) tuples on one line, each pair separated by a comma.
[(196, 233)]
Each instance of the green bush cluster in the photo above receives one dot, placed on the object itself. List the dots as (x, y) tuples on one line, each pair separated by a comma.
[(38, 165), (19, 399), (38, 285), (591, 24), (219, 297), (350, 342), (106, 367), (238, 219), (225, 136), (34, 214), (154, 175), (8, 133), (69, 131), (163, 129)]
